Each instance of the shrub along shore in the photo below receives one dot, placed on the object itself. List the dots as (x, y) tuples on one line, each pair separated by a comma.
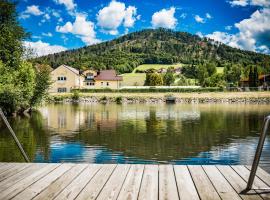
[(159, 97)]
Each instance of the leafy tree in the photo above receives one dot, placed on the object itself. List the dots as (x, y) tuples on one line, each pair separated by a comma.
[(168, 78), (232, 73), (202, 74), (182, 81), (190, 71), (20, 87), (16, 87), (11, 35), (211, 68), (216, 80), (43, 82), (153, 79)]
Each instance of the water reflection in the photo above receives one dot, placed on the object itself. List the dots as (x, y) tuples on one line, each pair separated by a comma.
[(179, 134)]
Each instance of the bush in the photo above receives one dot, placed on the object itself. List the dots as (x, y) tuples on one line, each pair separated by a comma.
[(75, 95), (119, 100)]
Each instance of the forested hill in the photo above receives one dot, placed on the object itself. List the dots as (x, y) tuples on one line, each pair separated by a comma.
[(151, 47)]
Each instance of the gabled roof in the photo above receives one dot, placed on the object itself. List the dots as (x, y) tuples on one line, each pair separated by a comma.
[(71, 69), (108, 75)]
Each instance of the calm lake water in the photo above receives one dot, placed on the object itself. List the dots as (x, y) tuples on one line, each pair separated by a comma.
[(177, 134)]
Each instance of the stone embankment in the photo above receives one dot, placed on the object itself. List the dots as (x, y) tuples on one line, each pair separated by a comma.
[(155, 99)]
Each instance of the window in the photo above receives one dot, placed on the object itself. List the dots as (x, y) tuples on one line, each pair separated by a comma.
[(107, 83), (89, 76), (60, 90), (90, 83), (61, 78)]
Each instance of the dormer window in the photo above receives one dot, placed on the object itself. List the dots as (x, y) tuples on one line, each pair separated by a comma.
[(89, 76)]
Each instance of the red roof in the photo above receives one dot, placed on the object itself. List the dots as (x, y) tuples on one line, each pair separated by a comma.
[(108, 75)]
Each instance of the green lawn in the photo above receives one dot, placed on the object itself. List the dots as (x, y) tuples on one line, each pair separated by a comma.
[(132, 79), (156, 66), (220, 70)]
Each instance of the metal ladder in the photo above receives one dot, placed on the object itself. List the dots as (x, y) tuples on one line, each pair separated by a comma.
[(257, 154), (14, 135)]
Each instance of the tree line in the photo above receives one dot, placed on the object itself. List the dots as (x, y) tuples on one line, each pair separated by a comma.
[(22, 86)]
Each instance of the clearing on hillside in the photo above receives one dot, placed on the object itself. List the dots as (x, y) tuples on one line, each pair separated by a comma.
[(133, 79), (156, 66)]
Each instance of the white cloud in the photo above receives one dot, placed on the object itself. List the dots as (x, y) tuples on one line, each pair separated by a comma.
[(69, 4), (239, 3), (41, 48), (49, 34), (33, 10), (164, 18), (243, 3), (183, 15), (129, 18), (253, 33), (199, 19), (200, 34), (228, 28), (111, 17), (208, 16), (47, 16), (81, 28)]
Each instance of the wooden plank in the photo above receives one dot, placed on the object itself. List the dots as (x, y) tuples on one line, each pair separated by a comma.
[(56, 187), (244, 173), (222, 186), (149, 185), (131, 186), (113, 186), (26, 182), (6, 166), (12, 171), (34, 189), (167, 184), (186, 187), (237, 183), (93, 188), (20, 175), (263, 175), (258, 183), (75, 187), (204, 186)]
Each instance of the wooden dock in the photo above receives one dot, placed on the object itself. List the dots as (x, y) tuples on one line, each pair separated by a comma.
[(24, 181)]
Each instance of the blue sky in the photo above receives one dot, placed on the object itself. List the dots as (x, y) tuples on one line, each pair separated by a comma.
[(57, 25)]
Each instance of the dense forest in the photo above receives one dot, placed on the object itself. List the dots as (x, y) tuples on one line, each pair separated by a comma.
[(152, 46)]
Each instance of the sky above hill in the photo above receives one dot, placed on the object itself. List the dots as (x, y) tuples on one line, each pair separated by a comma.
[(57, 25)]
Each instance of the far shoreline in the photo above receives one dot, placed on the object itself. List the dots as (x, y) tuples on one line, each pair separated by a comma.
[(192, 97)]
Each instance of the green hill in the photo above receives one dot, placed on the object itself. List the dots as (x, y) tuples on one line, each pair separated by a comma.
[(159, 46)]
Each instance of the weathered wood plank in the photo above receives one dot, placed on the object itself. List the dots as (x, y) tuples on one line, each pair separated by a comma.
[(24, 183), (263, 175), (258, 183), (113, 186), (224, 189), (5, 167), (167, 184), (204, 186), (75, 187), (149, 185), (186, 187), (12, 171), (131, 186), (34, 189), (237, 183), (20, 176), (93, 188), (56, 187)]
